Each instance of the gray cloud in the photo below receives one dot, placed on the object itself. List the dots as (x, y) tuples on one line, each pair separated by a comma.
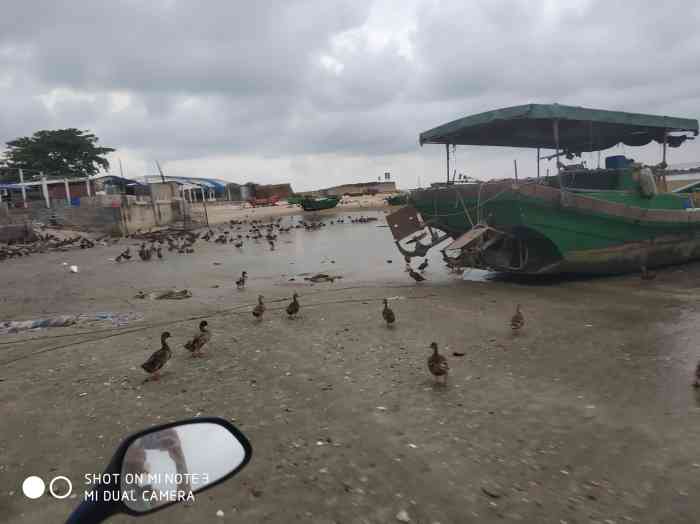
[(311, 84)]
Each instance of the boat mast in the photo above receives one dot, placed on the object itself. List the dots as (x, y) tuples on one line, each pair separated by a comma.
[(555, 125), (447, 154)]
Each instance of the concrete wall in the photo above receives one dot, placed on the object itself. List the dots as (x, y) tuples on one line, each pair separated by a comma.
[(16, 233), (109, 214), (164, 190)]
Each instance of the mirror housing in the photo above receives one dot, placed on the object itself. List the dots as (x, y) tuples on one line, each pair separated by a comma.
[(104, 503)]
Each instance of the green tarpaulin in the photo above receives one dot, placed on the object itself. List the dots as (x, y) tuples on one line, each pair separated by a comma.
[(580, 128)]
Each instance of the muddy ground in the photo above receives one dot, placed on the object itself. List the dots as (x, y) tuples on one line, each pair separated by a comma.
[(586, 416)]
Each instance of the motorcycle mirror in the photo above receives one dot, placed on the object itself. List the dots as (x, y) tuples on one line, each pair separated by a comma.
[(163, 465)]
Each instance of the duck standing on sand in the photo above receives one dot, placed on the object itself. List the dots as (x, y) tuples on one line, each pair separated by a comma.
[(158, 359), (293, 307), (124, 255), (646, 274), (415, 275), (437, 364), (388, 314), (240, 283), (259, 310), (195, 345), (517, 321)]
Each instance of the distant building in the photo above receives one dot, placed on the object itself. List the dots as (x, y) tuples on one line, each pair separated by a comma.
[(360, 188)]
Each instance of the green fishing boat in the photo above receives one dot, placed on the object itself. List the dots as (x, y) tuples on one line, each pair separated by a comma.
[(397, 200), (612, 219), (317, 204)]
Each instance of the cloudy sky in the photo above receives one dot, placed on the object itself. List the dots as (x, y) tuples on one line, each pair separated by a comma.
[(321, 92)]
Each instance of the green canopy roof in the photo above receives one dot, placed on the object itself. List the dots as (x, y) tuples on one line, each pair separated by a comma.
[(580, 128)]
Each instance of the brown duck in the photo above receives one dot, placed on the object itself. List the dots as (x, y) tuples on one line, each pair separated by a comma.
[(158, 359), (293, 307), (437, 364), (201, 339), (415, 275), (388, 313), (259, 310), (517, 321)]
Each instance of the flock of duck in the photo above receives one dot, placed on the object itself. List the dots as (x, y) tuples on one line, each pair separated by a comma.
[(438, 365), (182, 242)]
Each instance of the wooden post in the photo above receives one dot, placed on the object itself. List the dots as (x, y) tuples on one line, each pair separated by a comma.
[(447, 152), (204, 203), (515, 165), (538, 163), (67, 188), (45, 190), (24, 189), (556, 140), (664, 149)]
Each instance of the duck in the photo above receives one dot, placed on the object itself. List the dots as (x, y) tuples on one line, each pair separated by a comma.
[(293, 307), (259, 310), (124, 255), (195, 345), (437, 364), (240, 283), (517, 321), (415, 275), (647, 275), (388, 313), (158, 359), (423, 265), (144, 253)]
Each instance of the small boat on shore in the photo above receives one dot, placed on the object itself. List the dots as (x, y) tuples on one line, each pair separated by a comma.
[(318, 204), (613, 219)]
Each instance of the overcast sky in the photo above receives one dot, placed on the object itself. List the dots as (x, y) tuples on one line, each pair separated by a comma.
[(322, 92)]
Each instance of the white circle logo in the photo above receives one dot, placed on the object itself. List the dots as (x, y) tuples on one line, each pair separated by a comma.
[(33, 487), (67, 493)]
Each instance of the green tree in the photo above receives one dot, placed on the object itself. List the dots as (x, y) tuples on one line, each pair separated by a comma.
[(58, 153)]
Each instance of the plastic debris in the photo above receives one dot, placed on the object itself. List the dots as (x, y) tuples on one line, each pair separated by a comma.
[(219, 513), (14, 326), (402, 516), (74, 269)]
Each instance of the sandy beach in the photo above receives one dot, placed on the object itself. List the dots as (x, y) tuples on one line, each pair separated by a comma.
[(587, 415)]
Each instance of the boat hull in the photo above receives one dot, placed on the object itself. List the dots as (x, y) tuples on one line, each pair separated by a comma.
[(547, 231), (320, 204)]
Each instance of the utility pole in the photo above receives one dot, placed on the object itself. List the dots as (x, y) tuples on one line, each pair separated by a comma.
[(162, 176)]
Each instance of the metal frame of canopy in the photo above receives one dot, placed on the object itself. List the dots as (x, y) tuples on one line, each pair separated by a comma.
[(566, 129)]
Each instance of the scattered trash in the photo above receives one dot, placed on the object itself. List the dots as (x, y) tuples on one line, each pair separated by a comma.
[(173, 294), (412, 446), (402, 516), (492, 490), (74, 269), (389, 261), (322, 277), (458, 353), (14, 326), (219, 513), (381, 408)]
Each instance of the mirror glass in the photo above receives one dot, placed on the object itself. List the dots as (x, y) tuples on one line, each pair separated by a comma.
[(173, 464)]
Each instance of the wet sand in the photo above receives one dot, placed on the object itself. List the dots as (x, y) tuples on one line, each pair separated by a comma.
[(587, 415)]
